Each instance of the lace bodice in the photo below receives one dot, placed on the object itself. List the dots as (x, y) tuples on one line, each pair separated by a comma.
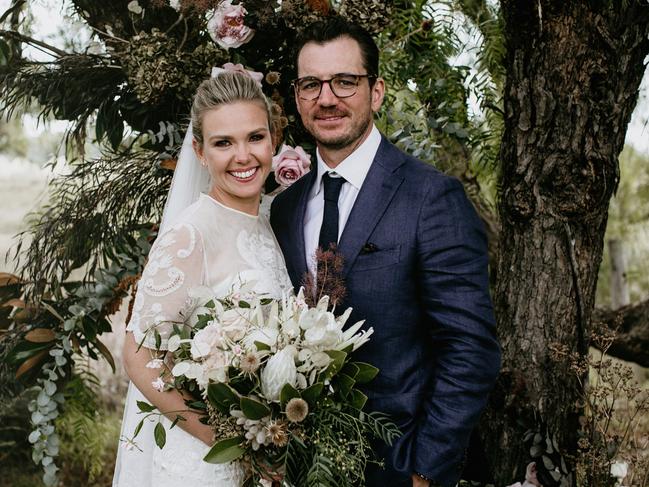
[(210, 245)]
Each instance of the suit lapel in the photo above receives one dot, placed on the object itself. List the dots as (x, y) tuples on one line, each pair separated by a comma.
[(379, 187), (298, 257)]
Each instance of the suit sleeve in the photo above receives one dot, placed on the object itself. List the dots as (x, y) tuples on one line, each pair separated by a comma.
[(454, 292)]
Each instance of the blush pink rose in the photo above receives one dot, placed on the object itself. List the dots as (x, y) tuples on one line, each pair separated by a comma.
[(226, 26), (290, 164)]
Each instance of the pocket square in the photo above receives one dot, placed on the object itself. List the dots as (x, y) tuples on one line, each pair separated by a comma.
[(368, 248)]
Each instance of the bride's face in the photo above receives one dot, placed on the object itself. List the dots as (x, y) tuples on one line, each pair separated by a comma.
[(237, 150)]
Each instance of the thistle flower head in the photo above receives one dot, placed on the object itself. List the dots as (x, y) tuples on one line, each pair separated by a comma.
[(278, 432), (296, 410), (250, 362)]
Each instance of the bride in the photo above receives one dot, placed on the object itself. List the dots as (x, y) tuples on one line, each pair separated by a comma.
[(216, 239)]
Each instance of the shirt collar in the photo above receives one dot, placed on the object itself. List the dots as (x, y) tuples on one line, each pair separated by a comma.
[(355, 166)]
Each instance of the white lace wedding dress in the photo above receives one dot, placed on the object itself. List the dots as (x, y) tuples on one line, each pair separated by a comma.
[(209, 245)]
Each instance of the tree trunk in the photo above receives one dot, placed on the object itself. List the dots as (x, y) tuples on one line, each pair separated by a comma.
[(573, 73), (619, 288)]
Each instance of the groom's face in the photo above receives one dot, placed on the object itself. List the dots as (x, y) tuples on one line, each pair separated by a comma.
[(337, 123)]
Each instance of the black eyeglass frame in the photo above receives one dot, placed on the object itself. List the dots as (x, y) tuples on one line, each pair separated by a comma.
[(358, 77)]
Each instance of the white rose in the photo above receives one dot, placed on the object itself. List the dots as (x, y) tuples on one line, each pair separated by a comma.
[(279, 371), (205, 341), (235, 322)]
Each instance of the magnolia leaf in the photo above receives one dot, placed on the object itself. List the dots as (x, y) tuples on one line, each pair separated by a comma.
[(40, 335), (7, 279), (103, 349), (160, 435), (357, 399), (30, 363), (225, 451), (311, 394), (145, 407), (254, 409), (366, 372), (170, 164), (16, 303), (287, 393)]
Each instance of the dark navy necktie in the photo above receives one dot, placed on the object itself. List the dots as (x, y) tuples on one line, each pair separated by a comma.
[(329, 228)]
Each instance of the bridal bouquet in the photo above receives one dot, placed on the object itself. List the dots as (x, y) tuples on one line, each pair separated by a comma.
[(276, 383)]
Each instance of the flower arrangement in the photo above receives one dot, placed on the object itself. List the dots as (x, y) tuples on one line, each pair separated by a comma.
[(277, 384)]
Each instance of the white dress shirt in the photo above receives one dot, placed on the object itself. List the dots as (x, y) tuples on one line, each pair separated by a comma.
[(353, 168)]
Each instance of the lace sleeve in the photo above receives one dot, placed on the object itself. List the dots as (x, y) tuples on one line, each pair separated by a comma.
[(174, 267)]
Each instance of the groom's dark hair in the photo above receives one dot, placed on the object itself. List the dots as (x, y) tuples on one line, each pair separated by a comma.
[(333, 28)]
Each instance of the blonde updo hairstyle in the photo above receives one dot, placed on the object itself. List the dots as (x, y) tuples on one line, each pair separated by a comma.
[(226, 87)]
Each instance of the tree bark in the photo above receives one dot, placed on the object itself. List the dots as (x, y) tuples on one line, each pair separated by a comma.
[(573, 73)]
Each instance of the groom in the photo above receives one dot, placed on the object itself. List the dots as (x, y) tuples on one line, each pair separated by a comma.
[(415, 260)]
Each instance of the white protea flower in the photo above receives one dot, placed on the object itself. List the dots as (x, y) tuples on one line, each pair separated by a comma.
[(350, 337), (279, 371)]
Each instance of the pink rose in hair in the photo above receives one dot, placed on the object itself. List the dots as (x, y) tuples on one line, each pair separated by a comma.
[(290, 164), (226, 26), (238, 68)]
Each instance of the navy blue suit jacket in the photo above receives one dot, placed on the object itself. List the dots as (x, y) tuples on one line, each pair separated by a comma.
[(423, 287)]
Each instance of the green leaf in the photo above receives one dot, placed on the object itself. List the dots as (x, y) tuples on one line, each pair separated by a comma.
[(177, 420), (287, 393), (261, 346), (338, 359), (244, 304), (311, 394), (138, 428), (145, 407), (345, 384), (221, 394), (160, 435), (225, 451), (357, 399), (351, 370), (366, 372), (254, 409)]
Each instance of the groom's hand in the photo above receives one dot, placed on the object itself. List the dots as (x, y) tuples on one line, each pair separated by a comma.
[(417, 481)]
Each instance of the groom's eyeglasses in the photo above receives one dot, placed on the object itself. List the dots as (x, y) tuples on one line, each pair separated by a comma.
[(342, 85)]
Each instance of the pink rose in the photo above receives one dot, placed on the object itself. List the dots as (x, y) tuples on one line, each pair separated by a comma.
[(226, 26), (238, 68), (290, 164)]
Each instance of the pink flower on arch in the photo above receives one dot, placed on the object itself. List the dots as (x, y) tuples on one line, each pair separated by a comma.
[(290, 164), (226, 26)]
